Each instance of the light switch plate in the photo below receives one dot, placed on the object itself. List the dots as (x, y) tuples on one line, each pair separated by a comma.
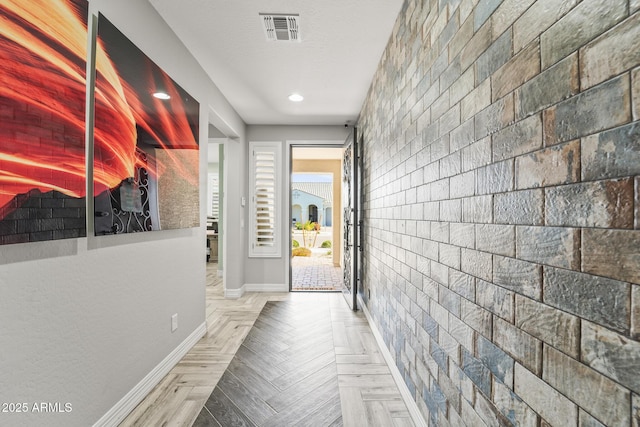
[(174, 322)]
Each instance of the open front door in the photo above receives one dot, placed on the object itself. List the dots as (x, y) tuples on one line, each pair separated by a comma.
[(351, 211)]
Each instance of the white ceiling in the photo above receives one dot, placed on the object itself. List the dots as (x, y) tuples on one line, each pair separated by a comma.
[(342, 42)]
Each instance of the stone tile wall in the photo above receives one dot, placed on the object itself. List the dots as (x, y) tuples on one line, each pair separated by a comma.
[(37, 216), (502, 208)]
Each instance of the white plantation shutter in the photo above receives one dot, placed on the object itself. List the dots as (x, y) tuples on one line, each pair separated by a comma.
[(265, 198), (214, 197), (265, 215)]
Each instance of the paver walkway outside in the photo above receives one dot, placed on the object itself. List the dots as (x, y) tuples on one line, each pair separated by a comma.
[(315, 273)]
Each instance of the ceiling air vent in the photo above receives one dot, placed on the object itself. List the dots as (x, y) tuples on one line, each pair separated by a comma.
[(281, 27)]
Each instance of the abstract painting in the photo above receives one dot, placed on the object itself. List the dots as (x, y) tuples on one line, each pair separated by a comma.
[(145, 142), (43, 50)]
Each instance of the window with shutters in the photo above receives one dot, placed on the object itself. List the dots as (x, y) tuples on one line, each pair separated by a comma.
[(213, 198), (264, 204)]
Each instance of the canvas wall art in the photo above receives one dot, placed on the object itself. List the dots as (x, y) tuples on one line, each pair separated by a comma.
[(43, 50), (145, 142)]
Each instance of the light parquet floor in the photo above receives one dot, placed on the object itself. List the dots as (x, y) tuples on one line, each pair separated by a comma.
[(338, 344)]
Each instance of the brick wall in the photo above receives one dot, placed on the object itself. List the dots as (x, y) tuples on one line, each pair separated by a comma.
[(502, 209), (37, 216)]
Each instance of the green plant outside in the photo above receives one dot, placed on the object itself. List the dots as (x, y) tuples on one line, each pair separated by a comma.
[(308, 227)]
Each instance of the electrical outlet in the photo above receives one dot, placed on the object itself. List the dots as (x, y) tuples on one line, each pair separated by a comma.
[(174, 322)]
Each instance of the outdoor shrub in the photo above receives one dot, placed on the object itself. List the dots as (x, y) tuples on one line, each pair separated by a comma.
[(295, 244), (301, 252), (326, 244), (308, 227)]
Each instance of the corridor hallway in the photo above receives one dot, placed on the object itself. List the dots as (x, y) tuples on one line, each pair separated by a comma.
[(366, 390)]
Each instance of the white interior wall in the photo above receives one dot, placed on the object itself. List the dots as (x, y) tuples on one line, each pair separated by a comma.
[(215, 157), (85, 320)]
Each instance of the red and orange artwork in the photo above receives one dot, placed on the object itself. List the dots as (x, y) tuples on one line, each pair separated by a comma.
[(145, 166), (43, 49), (145, 142)]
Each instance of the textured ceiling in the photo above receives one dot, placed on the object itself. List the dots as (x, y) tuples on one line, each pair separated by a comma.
[(342, 41)]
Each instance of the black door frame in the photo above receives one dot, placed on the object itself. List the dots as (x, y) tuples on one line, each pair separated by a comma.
[(352, 223)]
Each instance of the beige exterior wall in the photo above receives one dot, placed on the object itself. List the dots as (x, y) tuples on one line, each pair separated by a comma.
[(333, 167)]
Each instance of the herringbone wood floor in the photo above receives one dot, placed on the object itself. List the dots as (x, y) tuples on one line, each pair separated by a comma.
[(333, 342), (284, 372)]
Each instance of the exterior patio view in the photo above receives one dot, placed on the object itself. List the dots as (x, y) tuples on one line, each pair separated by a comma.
[(314, 265)]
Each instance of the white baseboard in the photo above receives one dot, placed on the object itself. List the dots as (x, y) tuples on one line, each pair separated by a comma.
[(412, 406), (120, 410), (266, 287), (234, 293), (255, 287)]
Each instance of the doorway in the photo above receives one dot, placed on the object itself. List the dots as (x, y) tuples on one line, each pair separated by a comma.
[(315, 207), (215, 206)]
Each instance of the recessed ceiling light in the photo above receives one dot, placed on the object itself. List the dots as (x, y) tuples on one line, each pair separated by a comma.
[(162, 95), (296, 97)]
